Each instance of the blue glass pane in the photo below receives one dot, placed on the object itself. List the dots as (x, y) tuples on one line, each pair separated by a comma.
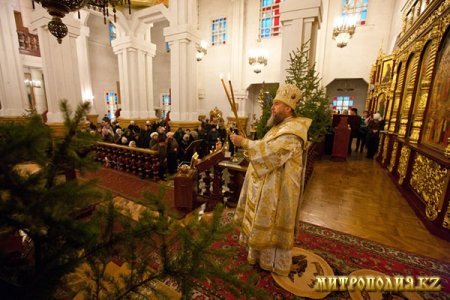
[(224, 37), (350, 103), (364, 14), (365, 1), (224, 24), (266, 2)]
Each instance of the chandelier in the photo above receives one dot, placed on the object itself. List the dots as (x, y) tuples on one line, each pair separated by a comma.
[(343, 29), (201, 50), (258, 59), (59, 8)]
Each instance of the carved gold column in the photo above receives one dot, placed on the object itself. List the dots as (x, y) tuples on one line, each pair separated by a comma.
[(424, 89), (393, 156), (385, 147), (408, 94), (397, 95), (403, 163), (390, 98), (446, 221), (380, 144), (429, 180)]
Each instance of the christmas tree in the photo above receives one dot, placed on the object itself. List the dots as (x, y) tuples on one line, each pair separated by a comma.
[(53, 225), (314, 104)]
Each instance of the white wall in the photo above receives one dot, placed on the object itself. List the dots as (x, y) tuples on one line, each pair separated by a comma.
[(355, 60), (357, 88), (271, 72), (161, 63), (25, 7), (218, 59), (103, 63), (396, 24)]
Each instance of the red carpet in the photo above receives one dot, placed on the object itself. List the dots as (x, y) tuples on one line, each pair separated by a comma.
[(345, 254), (128, 185)]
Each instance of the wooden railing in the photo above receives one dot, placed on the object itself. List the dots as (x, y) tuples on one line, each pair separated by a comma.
[(138, 161), (222, 181), (28, 43), (218, 180)]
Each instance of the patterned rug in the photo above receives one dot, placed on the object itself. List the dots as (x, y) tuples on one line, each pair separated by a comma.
[(345, 254), (130, 186)]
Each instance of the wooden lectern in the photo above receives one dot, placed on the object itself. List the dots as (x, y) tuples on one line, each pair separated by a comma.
[(185, 189), (186, 182), (341, 139)]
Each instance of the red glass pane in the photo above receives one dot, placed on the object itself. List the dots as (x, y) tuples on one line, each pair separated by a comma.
[(276, 21)]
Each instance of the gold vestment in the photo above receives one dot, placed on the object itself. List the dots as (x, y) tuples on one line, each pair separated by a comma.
[(268, 205)]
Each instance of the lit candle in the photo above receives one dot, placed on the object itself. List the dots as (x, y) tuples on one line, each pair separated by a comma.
[(229, 77), (221, 76)]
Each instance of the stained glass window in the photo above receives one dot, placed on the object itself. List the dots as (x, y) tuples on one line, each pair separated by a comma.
[(166, 104), (112, 104), (356, 8), (219, 32), (269, 17), (112, 31), (341, 103)]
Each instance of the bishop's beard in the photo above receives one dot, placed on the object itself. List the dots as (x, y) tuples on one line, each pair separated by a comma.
[(275, 119)]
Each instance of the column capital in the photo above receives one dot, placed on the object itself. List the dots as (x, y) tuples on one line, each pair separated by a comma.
[(293, 9), (180, 32), (85, 31), (127, 42)]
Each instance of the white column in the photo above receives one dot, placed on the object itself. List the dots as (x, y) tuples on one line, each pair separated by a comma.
[(134, 55), (83, 67), (237, 55), (39, 92), (60, 63), (13, 96), (300, 21), (182, 35)]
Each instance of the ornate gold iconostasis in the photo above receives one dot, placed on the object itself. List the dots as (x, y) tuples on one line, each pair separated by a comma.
[(410, 88)]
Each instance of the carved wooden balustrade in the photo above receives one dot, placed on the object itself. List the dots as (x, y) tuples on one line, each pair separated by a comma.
[(220, 180), (28, 43), (138, 161)]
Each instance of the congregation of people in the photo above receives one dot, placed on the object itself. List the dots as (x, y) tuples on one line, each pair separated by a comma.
[(366, 131), (174, 148)]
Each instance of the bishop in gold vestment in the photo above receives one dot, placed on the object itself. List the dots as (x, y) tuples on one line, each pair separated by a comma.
[(268, 206)]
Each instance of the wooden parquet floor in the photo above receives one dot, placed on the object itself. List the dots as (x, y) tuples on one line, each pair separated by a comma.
[(358, 197)]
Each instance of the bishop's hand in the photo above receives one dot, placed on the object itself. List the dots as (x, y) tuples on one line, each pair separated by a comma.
[(237, 140)]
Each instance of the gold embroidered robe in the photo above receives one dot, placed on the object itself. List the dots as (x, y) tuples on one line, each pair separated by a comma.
[(268, 205)]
